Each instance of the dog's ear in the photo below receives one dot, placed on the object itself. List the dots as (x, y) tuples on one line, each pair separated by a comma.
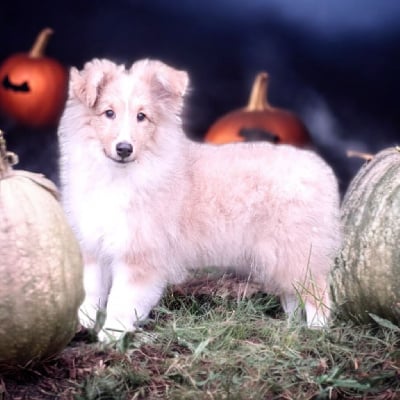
[(168, 85), (86, 84), (172, 80)]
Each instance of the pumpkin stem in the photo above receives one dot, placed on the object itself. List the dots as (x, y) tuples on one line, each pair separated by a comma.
[(7, 158), (358, 154), (258, 96), (40, 44)]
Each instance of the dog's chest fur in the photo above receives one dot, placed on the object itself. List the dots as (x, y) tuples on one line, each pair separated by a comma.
[(116, 219)]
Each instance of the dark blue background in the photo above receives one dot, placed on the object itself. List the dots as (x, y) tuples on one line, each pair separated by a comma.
[(334, 62)]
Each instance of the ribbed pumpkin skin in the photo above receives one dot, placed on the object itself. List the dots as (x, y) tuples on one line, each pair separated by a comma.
[(366, 275), (40, 271)]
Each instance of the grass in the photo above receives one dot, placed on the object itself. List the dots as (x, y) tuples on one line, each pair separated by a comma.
[(212, 341)]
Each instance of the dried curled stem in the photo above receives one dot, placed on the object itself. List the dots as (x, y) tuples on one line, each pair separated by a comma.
[(7, 158)]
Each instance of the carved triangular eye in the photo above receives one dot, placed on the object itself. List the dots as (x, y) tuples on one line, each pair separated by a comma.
[(23, 87)]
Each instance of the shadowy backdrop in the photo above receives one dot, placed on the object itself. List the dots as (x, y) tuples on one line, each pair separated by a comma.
[(335, 63)]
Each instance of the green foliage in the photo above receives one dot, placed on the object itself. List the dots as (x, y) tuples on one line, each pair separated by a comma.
[(221, 348), (114, 383), (210, 345)]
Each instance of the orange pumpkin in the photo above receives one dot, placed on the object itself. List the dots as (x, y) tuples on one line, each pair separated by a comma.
[(33, 87), (259, 121)]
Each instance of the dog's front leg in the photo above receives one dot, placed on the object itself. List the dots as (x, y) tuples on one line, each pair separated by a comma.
[(96, 281), (131, 298)]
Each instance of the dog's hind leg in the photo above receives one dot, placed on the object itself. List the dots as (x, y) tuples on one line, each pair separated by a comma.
[(317, 308), (310, 303), (292, 307)]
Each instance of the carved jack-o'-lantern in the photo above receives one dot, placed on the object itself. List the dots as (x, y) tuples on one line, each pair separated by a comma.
[(33, 87), (259, 121)]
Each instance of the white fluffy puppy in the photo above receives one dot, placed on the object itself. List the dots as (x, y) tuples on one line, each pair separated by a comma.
[(148, 205)]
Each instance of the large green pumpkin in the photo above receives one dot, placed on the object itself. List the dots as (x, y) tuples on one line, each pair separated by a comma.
[(40, 268), (366, 275)]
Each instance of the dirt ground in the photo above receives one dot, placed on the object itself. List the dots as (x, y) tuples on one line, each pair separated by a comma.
[(61, 377)]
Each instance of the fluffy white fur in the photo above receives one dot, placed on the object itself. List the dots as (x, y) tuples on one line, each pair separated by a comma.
[(143, 221)]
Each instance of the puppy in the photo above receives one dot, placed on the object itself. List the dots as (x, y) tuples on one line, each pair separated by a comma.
[(148, 205)]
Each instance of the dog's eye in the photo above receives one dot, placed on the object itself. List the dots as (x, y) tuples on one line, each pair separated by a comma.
[(141, 116), (109, 114)]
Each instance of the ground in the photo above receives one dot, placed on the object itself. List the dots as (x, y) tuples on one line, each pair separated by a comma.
[(230, 360)]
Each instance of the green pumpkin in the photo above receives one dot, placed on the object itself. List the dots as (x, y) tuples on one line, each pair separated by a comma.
[(366, 275), (41, 285)]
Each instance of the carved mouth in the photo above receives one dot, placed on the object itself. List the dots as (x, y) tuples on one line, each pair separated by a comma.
[(22, 87)]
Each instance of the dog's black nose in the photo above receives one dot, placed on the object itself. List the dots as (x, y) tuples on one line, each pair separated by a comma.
[(124, 149)]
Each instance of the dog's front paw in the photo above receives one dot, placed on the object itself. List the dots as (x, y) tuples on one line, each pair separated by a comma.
[(114, 330), (110, 336), (89, 316)]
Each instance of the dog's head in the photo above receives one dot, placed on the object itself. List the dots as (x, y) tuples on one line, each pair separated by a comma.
[(127, 110)]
